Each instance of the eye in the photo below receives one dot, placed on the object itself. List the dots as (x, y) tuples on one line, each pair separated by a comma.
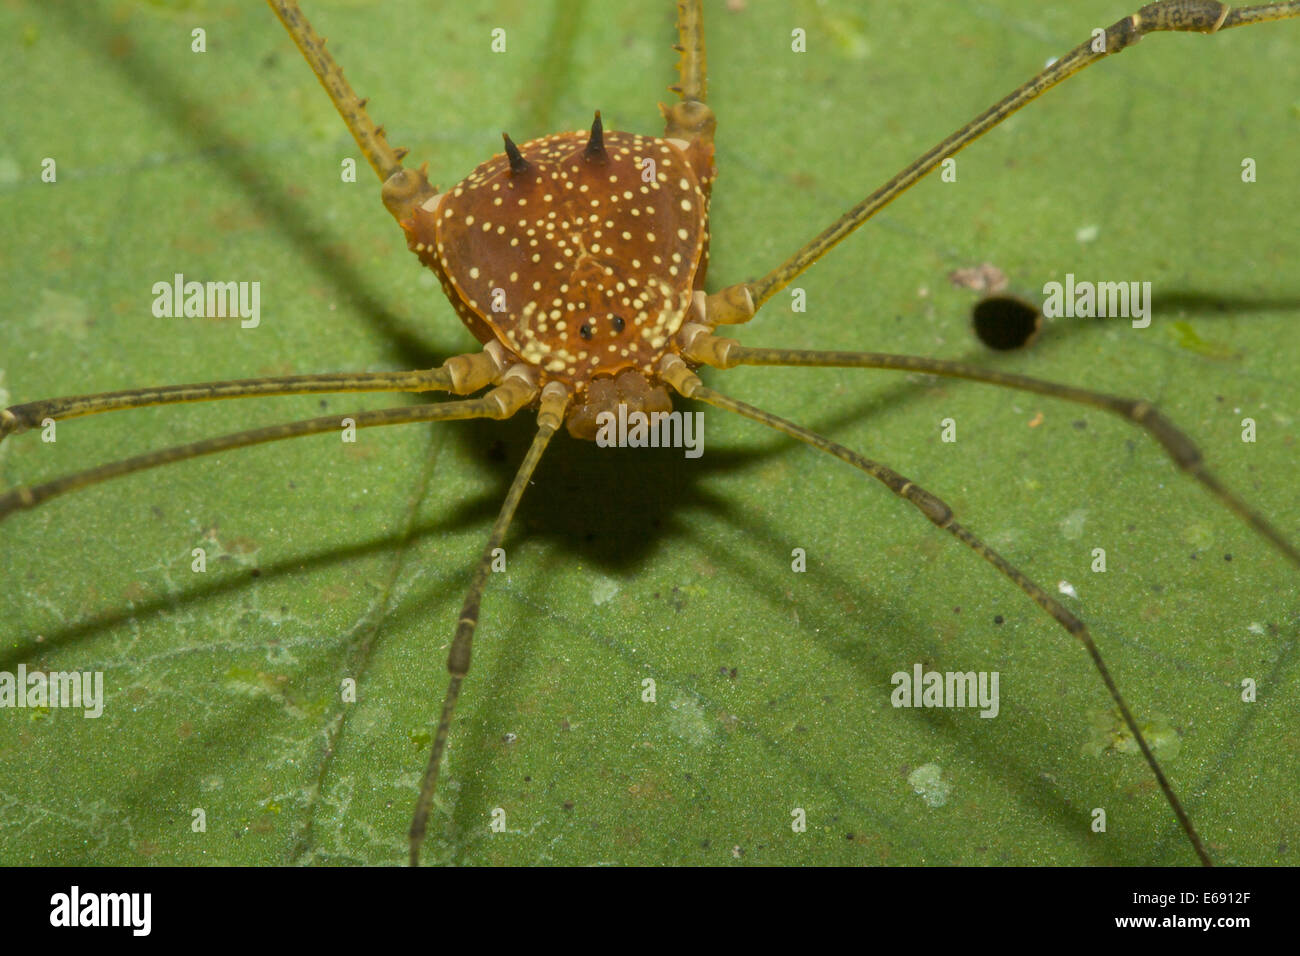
[(617, 322), (585, 332)]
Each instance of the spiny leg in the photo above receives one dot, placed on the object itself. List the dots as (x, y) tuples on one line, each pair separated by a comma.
[(691, 67), (403, 189), (1201, 16), (503, 401), (941, 515), (555, 399), (461, 374), (728, 353), (690, 119), (383, 159)]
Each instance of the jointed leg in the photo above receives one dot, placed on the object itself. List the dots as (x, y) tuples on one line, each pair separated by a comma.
[(383, 159), (941, 515), (555, 399), (403, 188), (727, 353), (1201, 16), (691, 68), (502, 402), (691, 118), (461, 374)]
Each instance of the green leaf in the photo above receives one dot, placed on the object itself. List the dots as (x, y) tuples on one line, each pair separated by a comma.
[(328, 561)]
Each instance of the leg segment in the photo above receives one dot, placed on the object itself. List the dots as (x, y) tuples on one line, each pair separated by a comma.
[(690, 119), (502, 402), (941, 515), (691, 68), (461, 374), (555, 399), (727, 353), (403, 189), (1200, 16), (383, 159)]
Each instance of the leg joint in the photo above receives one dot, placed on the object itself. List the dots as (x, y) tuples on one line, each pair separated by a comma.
[(930, 505)]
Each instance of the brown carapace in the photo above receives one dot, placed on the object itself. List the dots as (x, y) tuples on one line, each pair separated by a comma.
[(581, 254)]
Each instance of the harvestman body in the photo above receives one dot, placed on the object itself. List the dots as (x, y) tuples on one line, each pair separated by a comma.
[(579, 261)]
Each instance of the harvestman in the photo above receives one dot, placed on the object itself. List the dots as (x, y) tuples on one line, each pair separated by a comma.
[(579, 261)]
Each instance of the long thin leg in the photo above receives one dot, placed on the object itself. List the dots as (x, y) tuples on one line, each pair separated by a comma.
[(383, 159), (1201, 16), (502, 402), (727, 353), (555, 398), (403, 189), (461, 374), (941, 515)]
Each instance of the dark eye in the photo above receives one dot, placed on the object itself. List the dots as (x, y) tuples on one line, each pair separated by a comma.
[(585, 332), (618, 323)]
